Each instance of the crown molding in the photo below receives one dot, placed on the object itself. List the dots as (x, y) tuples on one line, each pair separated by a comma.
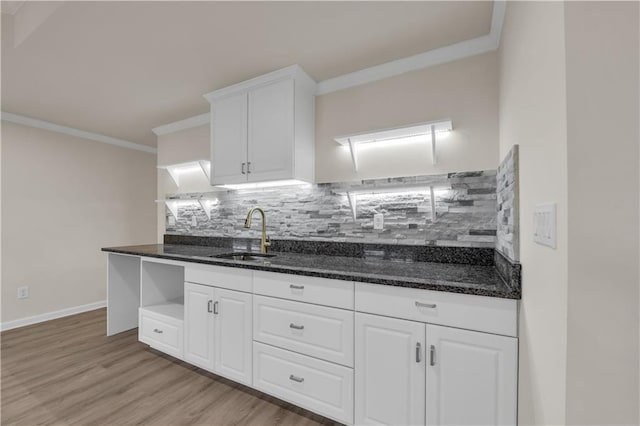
[(187, 123), (45, 125), (454, 52)]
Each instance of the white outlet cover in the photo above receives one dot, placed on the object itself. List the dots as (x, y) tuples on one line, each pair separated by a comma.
[(378, 221), (172, 220), (544, 224), (23, 292), (194, 221)]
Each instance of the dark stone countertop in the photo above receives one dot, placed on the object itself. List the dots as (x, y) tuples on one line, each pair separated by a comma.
[(453, 278)]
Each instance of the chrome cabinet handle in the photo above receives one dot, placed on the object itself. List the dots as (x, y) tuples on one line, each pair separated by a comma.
[(296, 378), (418, 352), (215, 308), (242, 171), (155, 330), (209, 306), (248, 167), (425, 305), (296, 287), (432, 355), (296, 327)]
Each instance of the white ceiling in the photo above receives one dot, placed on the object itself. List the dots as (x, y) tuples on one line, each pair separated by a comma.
[(122, 68)]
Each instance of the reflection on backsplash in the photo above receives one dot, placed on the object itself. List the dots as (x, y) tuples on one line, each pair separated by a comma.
[(465, 211)]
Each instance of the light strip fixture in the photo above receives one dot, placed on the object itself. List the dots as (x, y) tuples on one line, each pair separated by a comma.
[(175, 170), (419, 132)]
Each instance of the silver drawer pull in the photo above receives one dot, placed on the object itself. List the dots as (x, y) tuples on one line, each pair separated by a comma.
[(155, 330), (425, 305), (296, 327), (296, 378), (296, 287), (418, 352)]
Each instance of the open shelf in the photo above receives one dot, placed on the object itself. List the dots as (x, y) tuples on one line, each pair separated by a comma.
[(173, 310)]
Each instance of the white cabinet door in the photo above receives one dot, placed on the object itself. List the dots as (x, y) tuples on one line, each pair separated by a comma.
[(389, 371), (471, 378), (270, 131), (229, 140), (233, 351), (198, 325)]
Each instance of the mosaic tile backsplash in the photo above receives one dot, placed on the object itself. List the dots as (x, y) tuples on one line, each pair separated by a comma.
[(465, 211), (508, 241)]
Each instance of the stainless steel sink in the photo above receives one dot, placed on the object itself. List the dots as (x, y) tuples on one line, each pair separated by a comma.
[(246, 256)]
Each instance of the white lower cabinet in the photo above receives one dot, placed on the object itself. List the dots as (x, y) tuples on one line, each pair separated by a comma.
[(410, 373), (320, 386), (389, 371), (218, 331), (471, 378)]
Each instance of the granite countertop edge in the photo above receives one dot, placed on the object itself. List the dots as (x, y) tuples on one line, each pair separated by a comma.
[(450, 286)]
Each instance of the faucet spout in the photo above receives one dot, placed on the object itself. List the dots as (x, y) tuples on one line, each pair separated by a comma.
[(264, 240)]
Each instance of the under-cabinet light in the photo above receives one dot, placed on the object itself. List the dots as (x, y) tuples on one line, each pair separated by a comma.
[(175, 170), (260, 185)]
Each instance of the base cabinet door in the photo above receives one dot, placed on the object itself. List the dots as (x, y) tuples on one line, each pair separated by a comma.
[(233, 343), (471, 377), (198, 325), (389, 371)]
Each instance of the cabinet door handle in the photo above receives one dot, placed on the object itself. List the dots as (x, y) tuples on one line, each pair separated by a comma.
[(215, 308), (248, 167), (425, 305), (296, 378), (155, 330), (242, 170), (432, 355), (418, 352), (209, 306), (296, 287), (296, 327)]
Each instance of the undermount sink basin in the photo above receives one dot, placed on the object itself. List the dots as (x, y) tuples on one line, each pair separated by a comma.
[(247, 256)]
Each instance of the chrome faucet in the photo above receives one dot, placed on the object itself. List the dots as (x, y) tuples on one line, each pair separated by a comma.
[(264, 242)]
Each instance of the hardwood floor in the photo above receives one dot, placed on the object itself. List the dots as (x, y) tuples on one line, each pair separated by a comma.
[(68, 372)]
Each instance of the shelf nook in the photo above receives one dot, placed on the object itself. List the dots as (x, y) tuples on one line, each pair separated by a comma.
[(175, 170), (430, 190), (420, 132)]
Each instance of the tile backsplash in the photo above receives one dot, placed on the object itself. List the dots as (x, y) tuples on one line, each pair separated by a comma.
[(466, 205), (508, 241)]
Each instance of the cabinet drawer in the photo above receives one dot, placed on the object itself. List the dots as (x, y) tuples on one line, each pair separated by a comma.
[(318, 331), (316, 385), (219, 276), (488, 314), (160, 333), (321, 291)]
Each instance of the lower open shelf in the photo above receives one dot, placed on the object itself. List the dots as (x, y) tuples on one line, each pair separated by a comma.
[(172, 310)]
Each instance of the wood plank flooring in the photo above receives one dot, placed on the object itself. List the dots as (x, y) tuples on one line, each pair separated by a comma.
[(68, 372)]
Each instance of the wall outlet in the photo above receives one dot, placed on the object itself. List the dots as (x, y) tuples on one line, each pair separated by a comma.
[(23, 292), (544, 225), (194, 220), (172, 221), (378, 221)]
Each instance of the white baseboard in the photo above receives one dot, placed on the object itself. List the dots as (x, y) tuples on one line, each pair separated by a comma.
[(22, 322)]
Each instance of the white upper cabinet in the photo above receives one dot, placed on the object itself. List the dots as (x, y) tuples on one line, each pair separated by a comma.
[(263, 129)]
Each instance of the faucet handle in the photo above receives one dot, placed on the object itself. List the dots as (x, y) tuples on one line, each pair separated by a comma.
[(267, 241)]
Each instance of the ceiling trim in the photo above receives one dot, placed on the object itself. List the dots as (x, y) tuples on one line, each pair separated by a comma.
[(45, 125), (187, 123), (464, 49)]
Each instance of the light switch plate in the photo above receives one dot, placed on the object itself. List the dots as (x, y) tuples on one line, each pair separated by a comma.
[(378, 221), (544, 225)]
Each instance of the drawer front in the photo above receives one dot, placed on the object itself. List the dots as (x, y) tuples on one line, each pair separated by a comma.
[(321, 291), (219, 276), (318, 331), (316, 385), (480, 313), (160, 334)]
